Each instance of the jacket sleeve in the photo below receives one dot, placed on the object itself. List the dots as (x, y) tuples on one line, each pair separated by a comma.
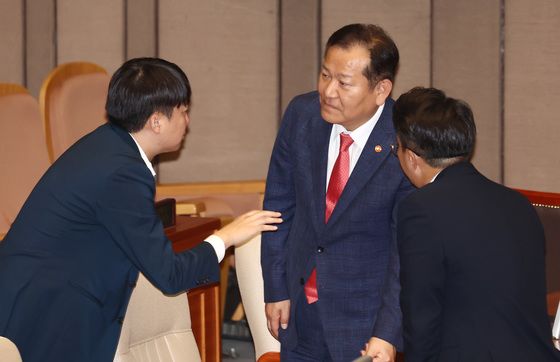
[(126, 209), (279, 196), (422, 279)]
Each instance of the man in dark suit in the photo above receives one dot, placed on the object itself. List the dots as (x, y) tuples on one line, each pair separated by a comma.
[(471, 250), (331, 269), (70, 261)]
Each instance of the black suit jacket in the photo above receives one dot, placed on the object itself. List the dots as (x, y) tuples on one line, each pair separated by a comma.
[(71, 259), (472, 272)]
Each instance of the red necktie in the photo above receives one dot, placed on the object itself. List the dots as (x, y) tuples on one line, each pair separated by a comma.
[(339, 177)]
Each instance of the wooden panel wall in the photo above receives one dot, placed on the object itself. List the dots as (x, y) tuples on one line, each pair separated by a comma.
[(532, 94), (230, 52), (12, 33), (246, 60), (466, 64)]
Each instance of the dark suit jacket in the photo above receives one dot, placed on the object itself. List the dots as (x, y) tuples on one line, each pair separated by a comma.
[(71, 259), (472, 272), (355, 254)]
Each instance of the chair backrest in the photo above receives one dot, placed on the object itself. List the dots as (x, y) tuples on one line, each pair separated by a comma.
[(547, 205), (23, 153), (156, 327), (72, 101), (8, 351), (249, 278)]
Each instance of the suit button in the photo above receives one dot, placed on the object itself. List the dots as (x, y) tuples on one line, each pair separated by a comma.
[(120, 320), (320, 249), (301, 281)]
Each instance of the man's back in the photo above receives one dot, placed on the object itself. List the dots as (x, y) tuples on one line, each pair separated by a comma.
[(480, 247)]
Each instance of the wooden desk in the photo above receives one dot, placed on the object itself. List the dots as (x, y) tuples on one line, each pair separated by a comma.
[(204, 302)]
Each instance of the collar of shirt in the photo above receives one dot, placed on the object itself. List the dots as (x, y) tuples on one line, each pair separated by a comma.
[(360, 136), (435, 176), (144, 157)]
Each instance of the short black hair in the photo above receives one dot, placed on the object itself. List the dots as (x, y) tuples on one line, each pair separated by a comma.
[(383, 53), (142, 86), (436, 127)]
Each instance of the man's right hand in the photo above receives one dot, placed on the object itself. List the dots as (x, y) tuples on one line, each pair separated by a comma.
[(247, 226), (278, 316)]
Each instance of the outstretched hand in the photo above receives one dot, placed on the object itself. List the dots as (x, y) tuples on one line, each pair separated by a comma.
[(248, 225)]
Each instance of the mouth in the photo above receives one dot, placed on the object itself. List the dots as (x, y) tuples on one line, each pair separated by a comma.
[(328, 107)]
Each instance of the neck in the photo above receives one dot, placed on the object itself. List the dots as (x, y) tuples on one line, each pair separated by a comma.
[(143, 140), (429, 173)]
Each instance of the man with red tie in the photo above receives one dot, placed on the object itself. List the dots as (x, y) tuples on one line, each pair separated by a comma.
[(331, 269)]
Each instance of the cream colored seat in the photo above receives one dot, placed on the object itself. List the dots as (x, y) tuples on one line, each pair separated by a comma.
[(156, 327), (72, 101), (8, 351), (249, 278), (23, 153)]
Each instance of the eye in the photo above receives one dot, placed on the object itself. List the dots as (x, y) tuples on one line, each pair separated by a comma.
[(344, 84), (325, 76)]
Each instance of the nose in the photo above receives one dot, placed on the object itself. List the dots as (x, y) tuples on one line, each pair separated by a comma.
[(330, 89)]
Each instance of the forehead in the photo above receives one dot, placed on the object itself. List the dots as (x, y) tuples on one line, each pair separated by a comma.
[(348, 61)]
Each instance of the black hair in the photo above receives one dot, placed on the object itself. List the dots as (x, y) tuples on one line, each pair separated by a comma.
[(434, 126), (142, 86), (383, 53)]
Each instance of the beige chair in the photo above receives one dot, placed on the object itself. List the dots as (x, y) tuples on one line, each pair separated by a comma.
[(23, 153), (8, 351), (249, 278), (72, 100), (156, 327)]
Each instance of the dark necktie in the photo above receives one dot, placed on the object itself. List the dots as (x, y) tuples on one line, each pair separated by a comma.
[(339, 177)]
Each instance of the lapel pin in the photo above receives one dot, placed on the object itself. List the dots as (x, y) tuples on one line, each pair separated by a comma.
[(378, 148)]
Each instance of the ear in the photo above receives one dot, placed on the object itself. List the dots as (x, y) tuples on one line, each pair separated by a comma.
[(382, 91), (154, 122), (413, 160)]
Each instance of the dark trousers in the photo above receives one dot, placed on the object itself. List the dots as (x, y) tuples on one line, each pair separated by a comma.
[(311, 346)]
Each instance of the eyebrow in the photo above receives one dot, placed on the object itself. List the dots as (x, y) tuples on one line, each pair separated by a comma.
[(338, 75)]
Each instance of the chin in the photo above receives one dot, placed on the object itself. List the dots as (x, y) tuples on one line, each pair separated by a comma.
[(328, 116)]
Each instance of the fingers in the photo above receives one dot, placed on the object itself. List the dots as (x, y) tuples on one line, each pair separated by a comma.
[(284, 317)]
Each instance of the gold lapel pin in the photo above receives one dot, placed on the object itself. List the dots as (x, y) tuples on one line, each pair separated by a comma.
[(378, 148)]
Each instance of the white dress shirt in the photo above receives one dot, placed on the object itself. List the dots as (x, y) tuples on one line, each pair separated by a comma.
[(360, 136)]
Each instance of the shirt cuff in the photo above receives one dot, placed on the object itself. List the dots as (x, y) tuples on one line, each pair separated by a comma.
[(218, 245)]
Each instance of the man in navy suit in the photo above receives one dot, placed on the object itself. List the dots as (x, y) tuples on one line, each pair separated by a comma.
[(331, 269), (70, 260), (472, 251)]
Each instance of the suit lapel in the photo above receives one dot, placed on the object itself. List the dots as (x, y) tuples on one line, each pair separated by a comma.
[(370, 160), (319, 158)]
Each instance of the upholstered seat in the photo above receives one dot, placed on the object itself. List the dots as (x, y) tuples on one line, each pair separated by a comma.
[(8, 351), (156, 328), (23, 152), (249, 278), (72, 102)]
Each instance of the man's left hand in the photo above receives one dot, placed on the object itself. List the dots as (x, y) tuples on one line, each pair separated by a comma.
[(380, 350)]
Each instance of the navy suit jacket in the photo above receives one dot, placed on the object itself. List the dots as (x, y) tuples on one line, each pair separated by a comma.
[(70, 261), (355, 253), (473, 273)]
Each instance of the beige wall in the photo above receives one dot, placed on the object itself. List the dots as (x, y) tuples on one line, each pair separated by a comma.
[(247, 58), (466, 64), (532, 94), (12, 41), (230, 52)]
